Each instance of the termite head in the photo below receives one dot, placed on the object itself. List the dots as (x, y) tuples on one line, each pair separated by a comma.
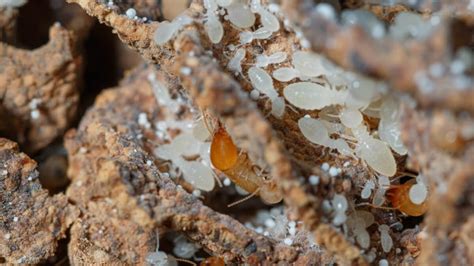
[(224, 153)]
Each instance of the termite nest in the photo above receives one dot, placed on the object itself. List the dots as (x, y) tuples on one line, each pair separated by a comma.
[(241, 132)]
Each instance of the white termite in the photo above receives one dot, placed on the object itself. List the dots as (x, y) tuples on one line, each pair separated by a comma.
[(199, 174), (235, 63), (166, 30), (285, 74), (240, 15), (374, 152), (268, 20), (212, 24), (249, 36), (389, 125), (309, 64), (385, 238), (263, 82), (224, 3), (264, 60), (312, 96), (351, 118), (316, 132), (367, 190)]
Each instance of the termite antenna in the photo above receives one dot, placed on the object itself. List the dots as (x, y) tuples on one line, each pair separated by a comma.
[(407, 174), (205, 116), (244, 199), (217, 179), (186, 261), (377, 207)]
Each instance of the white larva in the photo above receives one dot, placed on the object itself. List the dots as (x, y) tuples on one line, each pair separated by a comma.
[(235, 63), (240, 15), (265, 60), (374, 152), (263, 82), (385, 238), (308, 64), (249, 36), (224, 3), (367, 190), (307, 95), (350, 118), (197, 174), (314, 130), (166, 30), (389, 126), (285, 74), (214, 29)]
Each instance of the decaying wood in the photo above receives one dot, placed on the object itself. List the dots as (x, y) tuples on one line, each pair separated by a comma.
[(31, 222), (39, 89)]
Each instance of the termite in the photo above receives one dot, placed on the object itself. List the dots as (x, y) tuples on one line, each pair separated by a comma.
[(236, 164), (409, 198)]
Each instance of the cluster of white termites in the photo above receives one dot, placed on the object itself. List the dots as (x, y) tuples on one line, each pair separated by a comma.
[(309, 82), (340, 103)]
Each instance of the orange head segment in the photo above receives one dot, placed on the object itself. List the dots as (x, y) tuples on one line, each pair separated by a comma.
[(213, 261), (224, 153), (398, 195)]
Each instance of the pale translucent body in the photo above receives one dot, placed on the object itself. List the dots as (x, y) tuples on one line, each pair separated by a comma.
[(224, 3), (200, 131), (385, 238), (308, 64), (339, 203), (374, 152), (418, 193), (268, 20), (166, 30), (248, 36), (197, 174), (254, 94), (185, 144), (285, 74), (214, 29), (389, 125), (314, 130), (351, 118), (235, 63), (262, 81), (265, 60), (362, 91), (367, 190), (307, 95), (240, 15), (278, 107)]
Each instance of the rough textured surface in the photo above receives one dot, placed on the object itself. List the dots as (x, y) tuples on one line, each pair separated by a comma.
[(31, 222), (39, 90), (446, 157), (108, 166), (126, 203), (385, 58)]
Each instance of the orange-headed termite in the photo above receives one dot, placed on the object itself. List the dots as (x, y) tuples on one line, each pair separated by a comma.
[(399, 196), (236, 164)]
